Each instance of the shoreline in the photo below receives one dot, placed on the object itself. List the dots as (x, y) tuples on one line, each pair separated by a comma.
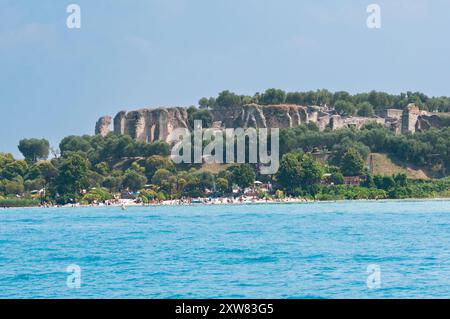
[(125, 206)]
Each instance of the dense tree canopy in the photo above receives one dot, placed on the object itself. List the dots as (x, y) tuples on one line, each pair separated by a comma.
[(300, 173), (428, 149), (34, 149), (243, 175), (377, 100), (134, 180), (200, 115), (156, 162), (345, 108), (290, 172), (273, 96), (228, 99), (352, 163), (73, 170), (365, 109)]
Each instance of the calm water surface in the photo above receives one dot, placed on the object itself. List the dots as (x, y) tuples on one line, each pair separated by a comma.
[(258, 251)]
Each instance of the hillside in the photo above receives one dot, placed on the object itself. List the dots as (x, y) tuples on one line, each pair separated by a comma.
[(383, 165)]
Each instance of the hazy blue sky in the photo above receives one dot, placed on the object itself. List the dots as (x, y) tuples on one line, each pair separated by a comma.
[(130, 54)]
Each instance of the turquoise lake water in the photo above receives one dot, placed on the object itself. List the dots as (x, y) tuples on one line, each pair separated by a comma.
[(319, 250)]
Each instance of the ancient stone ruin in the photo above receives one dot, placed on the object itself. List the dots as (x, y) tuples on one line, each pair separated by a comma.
[(150, 124), (156, 124)]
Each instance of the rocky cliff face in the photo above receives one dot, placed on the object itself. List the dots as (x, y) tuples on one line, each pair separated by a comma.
[(150, 124), (157, 124), (102, 125), (268, 116)]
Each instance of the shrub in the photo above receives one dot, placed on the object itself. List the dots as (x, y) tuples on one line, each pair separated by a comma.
[(97, 195), (147, 195), (19, 202), (279, 194)]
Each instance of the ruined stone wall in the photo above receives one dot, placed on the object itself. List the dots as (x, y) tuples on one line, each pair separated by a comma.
[(102, 125), (428, 121), (390, 114), (157, 124), (338, 122), (148, 124), (119, 123), (323, 121), (258, 116), (410, 118)]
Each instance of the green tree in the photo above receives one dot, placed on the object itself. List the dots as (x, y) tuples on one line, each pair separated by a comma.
[(324, 97), (365, 109), (279, 194), (157, 148), (72, 175), (14, 187), (161, 178), (34, 149), (134, 180), (379, 100), (47, 170), (295, 98), (342, 96), (378, 181), (369, 181), (401, 180), (289, 175), (200, 115), (14, 169), (273, 96), (312, 175), (352, 164), (243, 175), (137, 168), (93, 179), (222, 185), (75, 144), (102, 168), (97, 195), (156, 162), (343, 144), (113, 183), (345, 108), (337, 178), (228, 99), (312, 171), (5, 159), (205, 180), (203, 103), (192, 186), (34, 184), (388, 182)]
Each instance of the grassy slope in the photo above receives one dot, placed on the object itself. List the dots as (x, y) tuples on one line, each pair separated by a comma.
[(383, 165)]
